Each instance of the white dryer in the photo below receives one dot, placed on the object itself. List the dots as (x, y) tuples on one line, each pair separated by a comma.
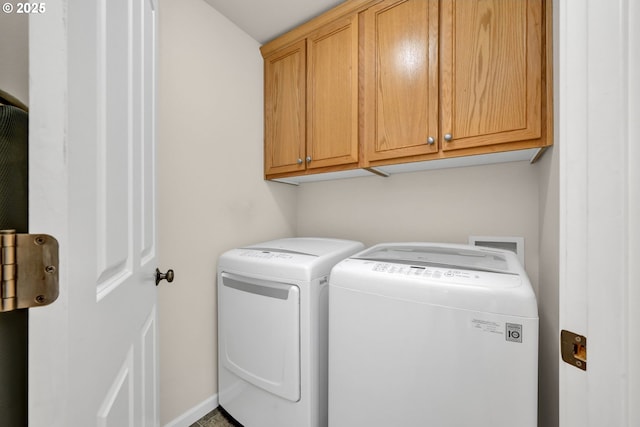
[(432, 335), (272, 330)]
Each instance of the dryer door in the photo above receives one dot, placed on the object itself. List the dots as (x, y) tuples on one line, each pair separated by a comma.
[(260, 333)]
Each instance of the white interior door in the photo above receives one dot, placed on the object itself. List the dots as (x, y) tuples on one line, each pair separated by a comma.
[(93, 353), (598, 100)]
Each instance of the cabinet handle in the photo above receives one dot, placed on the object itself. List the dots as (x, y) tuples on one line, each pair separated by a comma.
[(299, 161), (308, 159), (431, 140), (448, 137)]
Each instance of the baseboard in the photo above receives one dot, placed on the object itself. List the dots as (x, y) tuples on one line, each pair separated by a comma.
[(195, 413)]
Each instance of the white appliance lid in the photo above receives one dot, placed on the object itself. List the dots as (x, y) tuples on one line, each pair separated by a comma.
[(311, 246), (451, 256), (299, 258)]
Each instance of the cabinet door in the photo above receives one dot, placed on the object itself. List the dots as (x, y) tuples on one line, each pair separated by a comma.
[(491, 71), (401, 79), (332, 84), (284, 104)]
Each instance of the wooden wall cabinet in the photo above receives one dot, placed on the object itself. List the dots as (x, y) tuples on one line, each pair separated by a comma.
[(285, 109), (311, 102), (373, 83), (453, 77), (491, 72), (401, 79)]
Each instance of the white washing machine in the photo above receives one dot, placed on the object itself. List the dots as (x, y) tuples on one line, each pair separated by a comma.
[(432, 335), (272, 330)]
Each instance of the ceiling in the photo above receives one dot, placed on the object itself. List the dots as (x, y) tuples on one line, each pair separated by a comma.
[(264, 20)]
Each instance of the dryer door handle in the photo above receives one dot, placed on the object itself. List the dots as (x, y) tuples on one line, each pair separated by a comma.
[(253, 288)]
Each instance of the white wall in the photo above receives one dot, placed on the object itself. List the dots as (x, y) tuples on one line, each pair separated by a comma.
[(445, 205), (548, 295), (211, 193)]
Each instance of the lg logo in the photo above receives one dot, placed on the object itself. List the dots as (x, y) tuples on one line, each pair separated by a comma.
[(513, 332)]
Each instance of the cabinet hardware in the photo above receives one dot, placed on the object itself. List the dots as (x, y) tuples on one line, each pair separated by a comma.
[(448, 137), (431, 140), (308, 159)]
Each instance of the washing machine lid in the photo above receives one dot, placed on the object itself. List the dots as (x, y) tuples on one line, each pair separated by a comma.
[(445, 256), (458, 276)]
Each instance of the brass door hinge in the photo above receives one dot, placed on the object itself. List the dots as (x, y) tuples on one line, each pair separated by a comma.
[(573, 348), (28, 270)]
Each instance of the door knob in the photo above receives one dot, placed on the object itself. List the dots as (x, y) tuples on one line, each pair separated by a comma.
[(168, 276)]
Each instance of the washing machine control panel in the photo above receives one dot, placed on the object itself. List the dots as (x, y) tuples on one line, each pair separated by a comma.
[(443, 274), (414, 270)]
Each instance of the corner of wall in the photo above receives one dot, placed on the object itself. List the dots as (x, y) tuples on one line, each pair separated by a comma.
[(548, 287)]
